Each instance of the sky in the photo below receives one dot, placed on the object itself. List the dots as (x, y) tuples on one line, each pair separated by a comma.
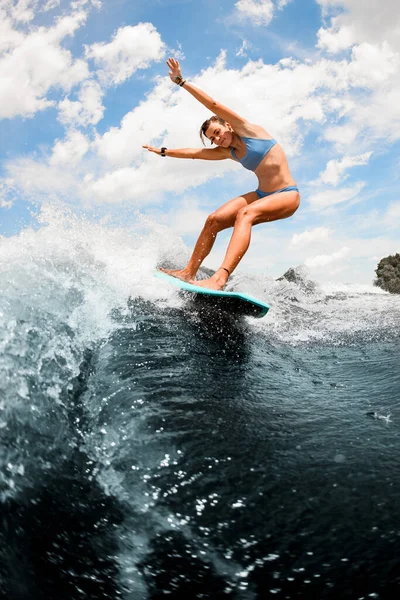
[(84, 85)]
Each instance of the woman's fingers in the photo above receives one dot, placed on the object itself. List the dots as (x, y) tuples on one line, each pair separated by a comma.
[(173, 65), (152, 149)]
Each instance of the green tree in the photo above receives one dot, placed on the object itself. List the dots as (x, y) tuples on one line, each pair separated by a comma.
[(388, 274)]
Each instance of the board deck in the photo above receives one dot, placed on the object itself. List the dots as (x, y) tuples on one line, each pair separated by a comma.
[(234, 303)]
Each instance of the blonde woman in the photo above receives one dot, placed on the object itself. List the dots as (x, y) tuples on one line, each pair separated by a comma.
[(276, 197)]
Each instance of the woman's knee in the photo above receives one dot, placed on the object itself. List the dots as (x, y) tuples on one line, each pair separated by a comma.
[(215, 222), (244, 214)]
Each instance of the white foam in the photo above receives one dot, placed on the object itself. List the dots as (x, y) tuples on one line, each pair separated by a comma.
[(80, 270)]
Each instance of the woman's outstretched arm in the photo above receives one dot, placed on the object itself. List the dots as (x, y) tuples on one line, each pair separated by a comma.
[(199, 153), (215, 107)]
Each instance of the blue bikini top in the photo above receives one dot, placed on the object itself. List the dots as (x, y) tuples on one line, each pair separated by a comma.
[(256, 149)]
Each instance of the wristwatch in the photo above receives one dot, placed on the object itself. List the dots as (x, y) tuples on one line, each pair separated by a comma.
[(179, 80), (163, 149)]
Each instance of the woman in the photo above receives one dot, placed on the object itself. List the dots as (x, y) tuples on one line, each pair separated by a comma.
[(277, 196)]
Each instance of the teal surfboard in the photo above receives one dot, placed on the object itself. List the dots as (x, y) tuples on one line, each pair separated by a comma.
[(234, 303)]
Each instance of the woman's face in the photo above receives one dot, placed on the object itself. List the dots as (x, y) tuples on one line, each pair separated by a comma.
[(220, 135)]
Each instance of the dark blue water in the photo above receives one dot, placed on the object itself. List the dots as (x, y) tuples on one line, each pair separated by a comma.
[(151, 451)]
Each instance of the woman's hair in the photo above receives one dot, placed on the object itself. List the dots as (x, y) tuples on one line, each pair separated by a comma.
[(207, 124)]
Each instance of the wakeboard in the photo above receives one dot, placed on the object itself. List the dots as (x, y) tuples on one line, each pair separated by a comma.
[(234, 303)]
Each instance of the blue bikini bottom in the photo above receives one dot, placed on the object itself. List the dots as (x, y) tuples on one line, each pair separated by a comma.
[(290, 188)]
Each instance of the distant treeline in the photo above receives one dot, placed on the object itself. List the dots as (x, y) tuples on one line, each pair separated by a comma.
[(388, 274)]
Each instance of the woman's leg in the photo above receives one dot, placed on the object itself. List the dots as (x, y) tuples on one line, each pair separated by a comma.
[(272, 208), (223, 218)]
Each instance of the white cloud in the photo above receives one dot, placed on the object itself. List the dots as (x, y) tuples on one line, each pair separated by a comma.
[(36, 64), (355, 260), (154, 122), (322, 260), (9, 36), (289, 92), (23, 10), (343, 136), (371, 65), (87, 110), (243, 49), (120, 185), (259, 12), (187, 218), (331, 197), (149, 181), (335, 40), (50, 4), (286, 92), (81, 3), (7, 204), (310, 236), (132, 48), (335, 169), (391, 217), (373, 20), (371, 30), (35, 179), (71, 150)]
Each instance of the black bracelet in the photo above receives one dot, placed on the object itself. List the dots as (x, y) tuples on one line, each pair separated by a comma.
[(163, 151), (184, 81)]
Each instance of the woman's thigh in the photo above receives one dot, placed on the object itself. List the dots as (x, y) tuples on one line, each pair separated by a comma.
[(226, 214), (274, 207)]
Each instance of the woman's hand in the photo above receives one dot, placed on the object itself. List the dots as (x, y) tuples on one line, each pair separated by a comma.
[(175, 68), (152, 149)]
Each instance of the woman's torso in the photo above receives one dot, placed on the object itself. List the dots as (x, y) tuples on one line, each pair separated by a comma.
[(272, 171)]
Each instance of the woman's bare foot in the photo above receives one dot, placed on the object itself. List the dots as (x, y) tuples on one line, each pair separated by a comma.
[(216, 282), (179, 274)]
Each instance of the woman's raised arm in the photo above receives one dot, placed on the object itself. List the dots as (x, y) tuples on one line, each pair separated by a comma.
[(215, 107)]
